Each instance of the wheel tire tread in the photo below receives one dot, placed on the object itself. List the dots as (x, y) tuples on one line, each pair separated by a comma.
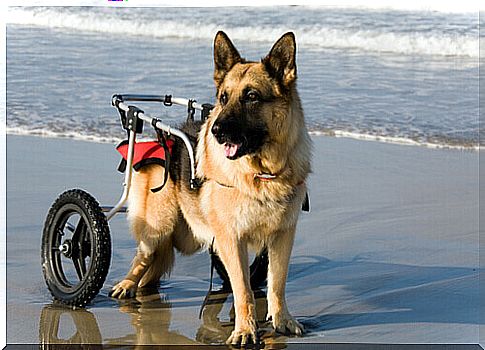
[(101, 261)]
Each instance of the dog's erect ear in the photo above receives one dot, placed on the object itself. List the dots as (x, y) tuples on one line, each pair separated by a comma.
[(281, 60), (225, 57)]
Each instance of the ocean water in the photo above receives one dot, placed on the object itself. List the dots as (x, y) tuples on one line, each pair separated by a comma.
[(406, 77)]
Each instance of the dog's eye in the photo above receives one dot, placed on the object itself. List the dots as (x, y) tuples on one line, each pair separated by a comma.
[(223, 98), (252, 96)]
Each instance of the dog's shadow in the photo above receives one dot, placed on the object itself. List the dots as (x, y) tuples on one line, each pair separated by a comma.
[(335, 296)]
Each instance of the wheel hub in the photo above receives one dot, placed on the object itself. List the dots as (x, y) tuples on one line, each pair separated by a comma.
[(66, 248)]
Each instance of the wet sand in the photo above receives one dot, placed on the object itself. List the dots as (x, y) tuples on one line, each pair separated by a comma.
[(388, 254)]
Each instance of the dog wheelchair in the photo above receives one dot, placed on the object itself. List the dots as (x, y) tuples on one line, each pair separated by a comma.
[(76, 241)]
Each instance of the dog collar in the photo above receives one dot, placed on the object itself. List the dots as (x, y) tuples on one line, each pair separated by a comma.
[(265, 176), (223, 185), (269, 177), (260, 176)]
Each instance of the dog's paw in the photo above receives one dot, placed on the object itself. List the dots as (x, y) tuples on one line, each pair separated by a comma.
[(124, 290), (284, 323), (244, 336)]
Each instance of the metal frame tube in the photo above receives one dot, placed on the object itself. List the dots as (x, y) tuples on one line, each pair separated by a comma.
[(170, 130), (156, 98), (178, 133), (132, 138), (128, 175), (185, 102)]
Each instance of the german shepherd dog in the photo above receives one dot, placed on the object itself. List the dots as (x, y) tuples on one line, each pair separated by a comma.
[(253, 159)]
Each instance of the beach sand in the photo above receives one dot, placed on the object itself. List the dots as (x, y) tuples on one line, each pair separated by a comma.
[(388, 254)]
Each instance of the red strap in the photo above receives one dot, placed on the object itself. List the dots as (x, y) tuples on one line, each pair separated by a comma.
[(144, 150)]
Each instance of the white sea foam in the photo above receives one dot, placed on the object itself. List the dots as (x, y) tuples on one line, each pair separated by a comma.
[(334, 133), (64, 135), (313, 36), (394, 140)]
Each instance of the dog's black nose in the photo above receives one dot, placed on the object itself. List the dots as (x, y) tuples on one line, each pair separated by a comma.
[(216, 129), (227, 130)]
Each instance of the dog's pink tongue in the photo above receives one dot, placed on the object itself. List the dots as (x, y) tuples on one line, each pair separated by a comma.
[(230, 149)]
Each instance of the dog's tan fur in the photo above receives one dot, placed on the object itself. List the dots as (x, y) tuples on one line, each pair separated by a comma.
[(246, 210)]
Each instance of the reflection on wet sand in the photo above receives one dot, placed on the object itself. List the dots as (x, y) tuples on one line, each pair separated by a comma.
[(51, 330), (150, 318), (214, 331)]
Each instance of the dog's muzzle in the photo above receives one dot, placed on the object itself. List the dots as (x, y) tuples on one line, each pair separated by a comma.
[(229, 134)]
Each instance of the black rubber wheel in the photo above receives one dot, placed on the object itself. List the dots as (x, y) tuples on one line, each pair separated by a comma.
[(258, 271), (76, 248)]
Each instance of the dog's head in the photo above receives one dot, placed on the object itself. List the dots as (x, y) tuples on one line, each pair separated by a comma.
[(252, 97)]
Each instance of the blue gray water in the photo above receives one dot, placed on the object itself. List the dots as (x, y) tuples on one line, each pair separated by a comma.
[(388, 75)]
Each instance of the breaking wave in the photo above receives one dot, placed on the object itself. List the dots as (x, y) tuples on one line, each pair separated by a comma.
[(314, 35)]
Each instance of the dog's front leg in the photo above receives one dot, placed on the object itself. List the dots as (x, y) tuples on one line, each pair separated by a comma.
[(279, 251), (234, 255)]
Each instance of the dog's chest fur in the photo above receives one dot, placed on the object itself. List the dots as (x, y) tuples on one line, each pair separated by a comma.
[(259, 219), (228, 210)]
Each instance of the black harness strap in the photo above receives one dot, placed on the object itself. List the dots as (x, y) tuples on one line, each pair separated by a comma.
[(306, 203), (213, 258), (163, 142)]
